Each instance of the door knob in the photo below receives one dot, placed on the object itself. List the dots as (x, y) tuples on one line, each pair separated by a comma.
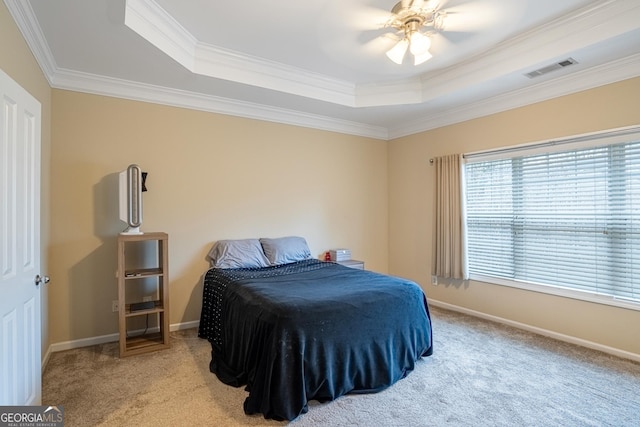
[(42, 279)]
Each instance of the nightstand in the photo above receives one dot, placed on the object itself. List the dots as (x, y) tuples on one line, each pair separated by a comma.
[(352, 263)]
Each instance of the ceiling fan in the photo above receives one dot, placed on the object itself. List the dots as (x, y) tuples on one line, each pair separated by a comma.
[(415, 21)]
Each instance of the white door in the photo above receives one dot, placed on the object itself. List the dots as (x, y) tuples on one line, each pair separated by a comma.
[(20, 329)]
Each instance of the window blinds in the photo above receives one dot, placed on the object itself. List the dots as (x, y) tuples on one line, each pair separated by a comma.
[(568, 219)]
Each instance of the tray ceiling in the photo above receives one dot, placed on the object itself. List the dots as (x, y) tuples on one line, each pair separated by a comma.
[(322, 63)]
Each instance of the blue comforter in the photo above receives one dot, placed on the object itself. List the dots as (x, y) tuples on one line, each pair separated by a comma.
[(311, 330)]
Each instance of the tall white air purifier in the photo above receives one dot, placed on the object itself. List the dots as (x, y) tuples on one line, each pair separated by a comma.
[(131, 187)]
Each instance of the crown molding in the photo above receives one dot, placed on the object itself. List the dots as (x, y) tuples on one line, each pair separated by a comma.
[(154, 24), (125, 89), (397, 92), (25, 19), (160, 29), (225, 64), (612, 72)]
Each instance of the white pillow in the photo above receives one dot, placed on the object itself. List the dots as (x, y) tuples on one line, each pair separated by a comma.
[(243, 253), (284, 250)]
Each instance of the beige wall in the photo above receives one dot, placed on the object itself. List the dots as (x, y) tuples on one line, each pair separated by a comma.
[(210, 177), (411, 210), (17, 61)]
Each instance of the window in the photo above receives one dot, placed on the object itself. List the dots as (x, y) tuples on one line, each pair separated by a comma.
[(560, 217)]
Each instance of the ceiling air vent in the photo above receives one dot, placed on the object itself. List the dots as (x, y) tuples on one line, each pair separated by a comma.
[(552, 67)]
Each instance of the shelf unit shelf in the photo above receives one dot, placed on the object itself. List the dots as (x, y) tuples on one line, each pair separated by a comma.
[(142, 273), (155, 246), (159, 308)]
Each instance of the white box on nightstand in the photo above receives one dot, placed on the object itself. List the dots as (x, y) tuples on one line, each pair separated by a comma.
[(338, 255)]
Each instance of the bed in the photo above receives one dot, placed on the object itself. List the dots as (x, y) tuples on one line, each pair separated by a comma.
[(294, 329)]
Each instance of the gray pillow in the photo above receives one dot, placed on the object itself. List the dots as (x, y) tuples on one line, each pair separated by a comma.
[(284, 250), (243, 253)]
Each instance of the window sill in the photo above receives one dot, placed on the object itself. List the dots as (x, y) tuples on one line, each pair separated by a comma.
[(559, 291)]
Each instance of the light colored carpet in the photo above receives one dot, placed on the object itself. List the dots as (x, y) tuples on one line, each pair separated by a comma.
[(481, 373)]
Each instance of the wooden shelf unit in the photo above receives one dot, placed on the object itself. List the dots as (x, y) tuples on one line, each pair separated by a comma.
[(131, 276)]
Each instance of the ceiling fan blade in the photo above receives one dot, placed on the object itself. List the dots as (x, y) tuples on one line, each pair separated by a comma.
[(416, 5), (456, 36), (425, 4), (385, 35), (366, 36), (381, 44), (394, 37), (440, 43), (467, 15), (370, 18)]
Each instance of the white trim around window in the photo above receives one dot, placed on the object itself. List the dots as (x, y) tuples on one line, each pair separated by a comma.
[(560, 217)]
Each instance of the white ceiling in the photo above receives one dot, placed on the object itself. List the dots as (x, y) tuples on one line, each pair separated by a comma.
[(321, 63)]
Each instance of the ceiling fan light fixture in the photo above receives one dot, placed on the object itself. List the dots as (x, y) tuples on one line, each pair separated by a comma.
[(416, 20), (420, 43), (397, 52), (419, 59)]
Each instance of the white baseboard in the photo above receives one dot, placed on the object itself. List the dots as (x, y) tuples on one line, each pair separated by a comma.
[(45, 358), (102, 339), (551, 334), (184, 325), (83, 342)]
